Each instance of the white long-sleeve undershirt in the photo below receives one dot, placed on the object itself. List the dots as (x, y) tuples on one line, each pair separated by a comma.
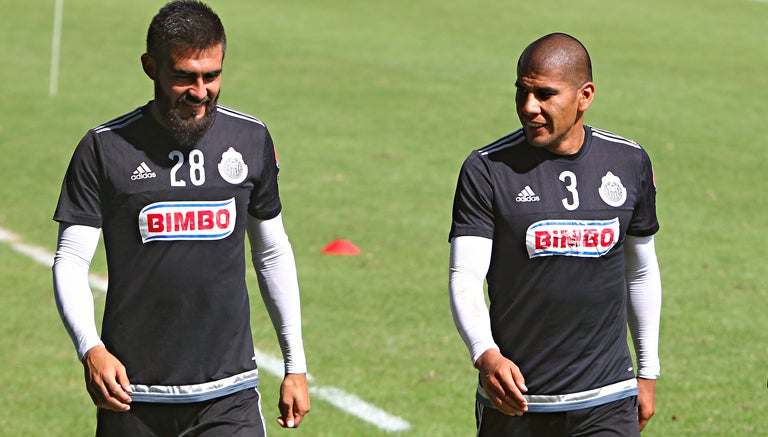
[(74, 299), (644, 303), (272, 257), (469, 261)]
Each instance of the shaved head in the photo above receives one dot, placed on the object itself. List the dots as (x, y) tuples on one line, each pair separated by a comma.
[(557, 52), (554, 89)]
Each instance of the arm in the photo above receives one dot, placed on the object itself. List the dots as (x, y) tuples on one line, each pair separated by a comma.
[(643, 313), (275, 266), (105, 376), (500, 377)]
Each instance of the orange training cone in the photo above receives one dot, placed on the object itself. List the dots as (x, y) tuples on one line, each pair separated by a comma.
[(341, 247)]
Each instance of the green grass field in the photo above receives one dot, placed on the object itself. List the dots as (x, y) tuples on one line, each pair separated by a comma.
[(373, 106)]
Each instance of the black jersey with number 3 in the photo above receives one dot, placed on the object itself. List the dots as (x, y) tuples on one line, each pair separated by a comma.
[(173, 220), (556, 280)]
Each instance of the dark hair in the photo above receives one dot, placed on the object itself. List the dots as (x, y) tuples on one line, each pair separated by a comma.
[(558, 51), (185, 24)]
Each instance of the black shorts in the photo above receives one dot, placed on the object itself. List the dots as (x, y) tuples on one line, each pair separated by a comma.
[(617, 419), (238, 414)]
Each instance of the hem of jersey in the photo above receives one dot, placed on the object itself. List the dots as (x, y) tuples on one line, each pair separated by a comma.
[(75, 219), (266, 215), (645, 233), (469, 231), (179, 394), (572, 401)]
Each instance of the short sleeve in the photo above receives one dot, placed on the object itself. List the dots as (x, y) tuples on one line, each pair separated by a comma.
[(80, 197), (473, 200), (265, 198), (644, 221)]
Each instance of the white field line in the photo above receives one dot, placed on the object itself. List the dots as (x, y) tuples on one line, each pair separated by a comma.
[(347, 402), (58, 12)]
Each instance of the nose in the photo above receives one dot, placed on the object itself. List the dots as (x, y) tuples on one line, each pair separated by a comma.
[(198, 90), (530, 104)]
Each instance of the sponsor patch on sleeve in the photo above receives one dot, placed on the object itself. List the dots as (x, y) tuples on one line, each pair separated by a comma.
[(182, 220), (584, 238)]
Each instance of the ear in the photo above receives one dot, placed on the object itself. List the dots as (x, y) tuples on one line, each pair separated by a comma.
[(149, 65), (586, 95)]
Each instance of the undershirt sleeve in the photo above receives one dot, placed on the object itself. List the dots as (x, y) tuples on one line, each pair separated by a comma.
[(273, 259), (74, 299), (469, 262), (644, 303)]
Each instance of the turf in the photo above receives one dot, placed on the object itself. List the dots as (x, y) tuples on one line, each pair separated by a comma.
[(373, 107)]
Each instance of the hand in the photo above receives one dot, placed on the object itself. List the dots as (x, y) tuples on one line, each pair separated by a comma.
[(646, 400), (294, 400), (106, 380), (503, 382)]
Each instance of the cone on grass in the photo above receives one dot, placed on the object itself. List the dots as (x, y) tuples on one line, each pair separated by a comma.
[(341, 247)]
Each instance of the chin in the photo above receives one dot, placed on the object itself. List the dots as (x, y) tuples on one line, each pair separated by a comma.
[(537, 141)]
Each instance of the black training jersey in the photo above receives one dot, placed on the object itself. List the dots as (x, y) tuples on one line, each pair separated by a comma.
[(556, 279), (173, 220)]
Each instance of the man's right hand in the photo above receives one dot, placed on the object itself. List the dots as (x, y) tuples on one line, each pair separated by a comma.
[(503, 383), (106, 380)]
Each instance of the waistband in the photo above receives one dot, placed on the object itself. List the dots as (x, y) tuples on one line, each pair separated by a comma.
[(572, 401), (178, 394)]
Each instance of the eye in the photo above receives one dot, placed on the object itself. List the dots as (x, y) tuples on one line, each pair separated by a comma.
[(544, 95), (210, 77), (183, 78)]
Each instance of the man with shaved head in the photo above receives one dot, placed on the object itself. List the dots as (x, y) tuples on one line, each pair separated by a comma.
[(559, 219)]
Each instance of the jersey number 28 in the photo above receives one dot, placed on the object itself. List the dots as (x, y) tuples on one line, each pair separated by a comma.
[(196, 168)]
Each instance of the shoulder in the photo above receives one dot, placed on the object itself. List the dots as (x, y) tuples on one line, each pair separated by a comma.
[(496, 150), (505, 143), (617, 145), (120, 122), (602, 135), (234, 116), (509, 153)]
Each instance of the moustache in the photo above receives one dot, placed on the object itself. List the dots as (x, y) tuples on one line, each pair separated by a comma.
[(189, 100)]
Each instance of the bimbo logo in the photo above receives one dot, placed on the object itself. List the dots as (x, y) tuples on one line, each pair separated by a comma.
[(584, 238), (187, 220)]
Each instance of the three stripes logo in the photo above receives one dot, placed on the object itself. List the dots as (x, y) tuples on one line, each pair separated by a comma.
[(527, 195), (142, 172)]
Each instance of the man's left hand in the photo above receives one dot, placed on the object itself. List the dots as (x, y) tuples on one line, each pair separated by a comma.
[(294, 400), (646, 400)]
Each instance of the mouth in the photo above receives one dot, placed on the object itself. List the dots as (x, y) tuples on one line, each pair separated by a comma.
[(194, 107), (535, 127)]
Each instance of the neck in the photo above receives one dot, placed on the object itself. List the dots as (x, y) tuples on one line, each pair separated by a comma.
[(154, 109), (571, 144)]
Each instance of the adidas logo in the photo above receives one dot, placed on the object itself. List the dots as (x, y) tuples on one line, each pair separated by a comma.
[(527, 195), (142, 172)]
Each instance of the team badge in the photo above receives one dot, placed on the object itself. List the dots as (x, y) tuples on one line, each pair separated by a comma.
[(612, 191), (231, 167)]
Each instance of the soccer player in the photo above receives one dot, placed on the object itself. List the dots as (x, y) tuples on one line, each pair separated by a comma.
[(175, 186), (559, 218)]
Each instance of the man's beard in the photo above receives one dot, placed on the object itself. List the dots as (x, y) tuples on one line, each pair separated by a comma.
[(185, 132)]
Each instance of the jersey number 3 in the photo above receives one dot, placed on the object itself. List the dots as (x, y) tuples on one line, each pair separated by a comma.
[(570, 184), (196, 168)]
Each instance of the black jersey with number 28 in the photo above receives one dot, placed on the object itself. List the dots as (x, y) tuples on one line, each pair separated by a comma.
[(173, 220)]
